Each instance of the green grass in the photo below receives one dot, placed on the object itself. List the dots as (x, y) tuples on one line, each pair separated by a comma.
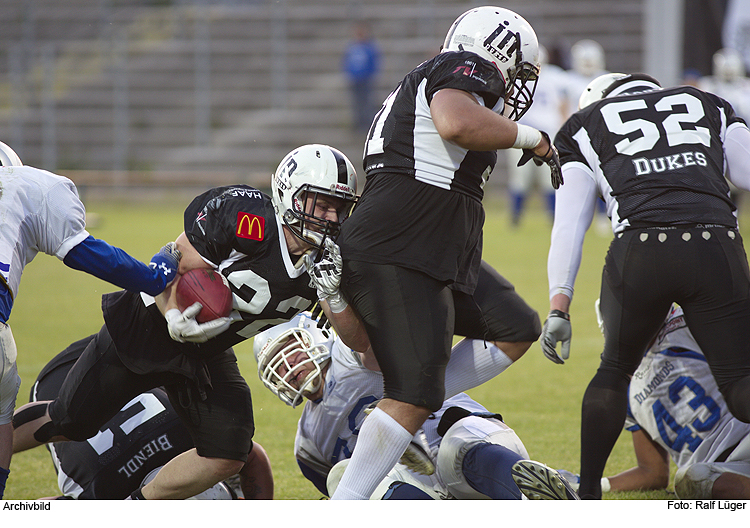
[(539, 399)]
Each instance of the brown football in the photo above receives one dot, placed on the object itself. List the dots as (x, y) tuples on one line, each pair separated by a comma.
[(208, 287)]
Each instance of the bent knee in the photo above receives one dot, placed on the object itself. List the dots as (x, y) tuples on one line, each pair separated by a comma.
[(224, 468), (513, 350)]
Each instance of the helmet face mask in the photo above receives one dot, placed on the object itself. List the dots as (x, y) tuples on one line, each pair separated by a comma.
[(286, 351), (308, 177), (508, 41)]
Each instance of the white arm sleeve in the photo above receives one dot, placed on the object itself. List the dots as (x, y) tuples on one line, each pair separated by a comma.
[(575, 203), (737, 151)]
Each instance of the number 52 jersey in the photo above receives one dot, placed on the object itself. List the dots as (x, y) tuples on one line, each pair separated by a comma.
[(657, 157)]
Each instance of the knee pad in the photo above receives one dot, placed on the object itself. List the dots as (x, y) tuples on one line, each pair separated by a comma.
[(465, 434), (696, 481)]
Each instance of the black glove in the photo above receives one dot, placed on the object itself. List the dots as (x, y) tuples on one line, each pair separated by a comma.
[(550, 158)]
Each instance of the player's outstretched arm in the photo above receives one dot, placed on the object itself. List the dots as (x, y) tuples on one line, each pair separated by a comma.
[(652, 471)]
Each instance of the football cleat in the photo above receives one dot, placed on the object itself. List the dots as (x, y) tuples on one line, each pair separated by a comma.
[(539, 482)]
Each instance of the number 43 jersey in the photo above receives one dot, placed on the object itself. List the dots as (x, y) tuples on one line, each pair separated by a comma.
[(673, 397), (639, 146)]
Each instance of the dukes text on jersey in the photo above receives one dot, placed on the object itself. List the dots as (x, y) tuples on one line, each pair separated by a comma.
[(672, 162)]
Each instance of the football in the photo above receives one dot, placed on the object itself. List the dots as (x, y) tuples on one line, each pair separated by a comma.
[(208, 287)]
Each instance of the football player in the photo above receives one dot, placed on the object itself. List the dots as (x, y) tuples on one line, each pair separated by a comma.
[(473, 454), (676, 410), (412, 247), (658, 157), (41, 212), (133, 446), (257, 242)]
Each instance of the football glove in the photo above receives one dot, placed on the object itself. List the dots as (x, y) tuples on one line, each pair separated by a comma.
[(325, 275), (551, 158), (556, 329), (183, 327), (166, 261)]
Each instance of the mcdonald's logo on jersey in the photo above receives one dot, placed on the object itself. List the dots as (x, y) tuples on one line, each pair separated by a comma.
[(250, 226)]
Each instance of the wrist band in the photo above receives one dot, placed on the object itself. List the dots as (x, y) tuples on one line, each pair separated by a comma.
[(527, 137), (560, 313), (606, 485), (336, 303)]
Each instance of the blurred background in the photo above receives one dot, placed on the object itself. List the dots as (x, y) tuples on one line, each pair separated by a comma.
[(144, 94)]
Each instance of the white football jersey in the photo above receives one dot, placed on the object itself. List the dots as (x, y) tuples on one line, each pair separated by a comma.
[(674, 398), (328, 428), (40, 211)]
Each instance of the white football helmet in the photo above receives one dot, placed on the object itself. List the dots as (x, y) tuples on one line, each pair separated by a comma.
[(8, 157), (219, 491), (276, 346), (612, 84), (508, 41), (587, 57), (311, 171), (728, 65)]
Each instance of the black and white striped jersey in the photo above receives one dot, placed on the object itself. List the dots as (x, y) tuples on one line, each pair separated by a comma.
[(657, 157), (146, 434), (403, 139), (235, 229)]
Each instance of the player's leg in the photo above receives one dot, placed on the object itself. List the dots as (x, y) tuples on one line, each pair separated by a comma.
[(520, 180), (718, 310), (221, 425), (633, 308), (409, 318), (499, 325), (96, 388), (476, 455), (10, 382)]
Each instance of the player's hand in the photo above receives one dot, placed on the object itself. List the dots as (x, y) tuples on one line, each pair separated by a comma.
[(551, 158), (183, 327), (166, 261), (556, 329), (325, 275)]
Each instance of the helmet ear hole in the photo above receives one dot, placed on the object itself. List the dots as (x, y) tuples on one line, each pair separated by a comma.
[(309, 170)]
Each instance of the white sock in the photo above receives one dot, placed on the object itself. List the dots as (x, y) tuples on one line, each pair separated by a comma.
[(382, 441), (473, 362)]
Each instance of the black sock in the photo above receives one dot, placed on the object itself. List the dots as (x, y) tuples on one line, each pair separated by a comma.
[(603, 412)]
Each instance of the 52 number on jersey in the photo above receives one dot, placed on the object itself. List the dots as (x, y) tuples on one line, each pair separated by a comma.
[(618, 118)]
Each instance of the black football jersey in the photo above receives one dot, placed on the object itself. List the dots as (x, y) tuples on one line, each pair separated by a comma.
[(657, 156), (403, 138), (143, 436), (236, 229)]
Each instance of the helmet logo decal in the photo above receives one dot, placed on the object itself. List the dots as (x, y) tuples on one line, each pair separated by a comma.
[(250, 226), (510, 43)]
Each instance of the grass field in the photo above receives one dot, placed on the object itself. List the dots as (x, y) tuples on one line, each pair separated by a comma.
[(539, 399)]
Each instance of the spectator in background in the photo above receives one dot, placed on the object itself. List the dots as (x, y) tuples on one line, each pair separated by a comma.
[(547, 113), (361, 64), (587, 63)]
